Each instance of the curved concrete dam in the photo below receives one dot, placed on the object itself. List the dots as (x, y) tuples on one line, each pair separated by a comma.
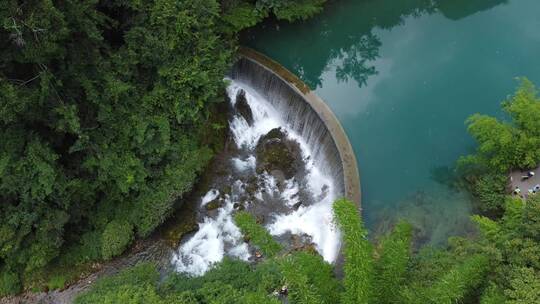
[(307, 114), (288, 159)]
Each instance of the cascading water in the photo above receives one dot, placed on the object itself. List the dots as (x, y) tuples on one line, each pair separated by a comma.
[(299, 204)]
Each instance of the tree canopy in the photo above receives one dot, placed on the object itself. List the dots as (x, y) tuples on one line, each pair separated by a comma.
[(103, 108)]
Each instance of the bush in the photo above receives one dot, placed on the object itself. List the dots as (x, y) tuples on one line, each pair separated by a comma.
[(116, 237), (310, 279), (9, 283), (358, 254), (57, 282), (490, 189), (256, 234), (132, 285)]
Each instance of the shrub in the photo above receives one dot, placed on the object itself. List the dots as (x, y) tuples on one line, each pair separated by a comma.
[(9, 283), (391, 267), (57, 282), (115, 238), (305, 270), (358, 266), (256, 234), (133, 285)]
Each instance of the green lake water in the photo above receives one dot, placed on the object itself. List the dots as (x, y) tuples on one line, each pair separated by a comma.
[(402, 77)]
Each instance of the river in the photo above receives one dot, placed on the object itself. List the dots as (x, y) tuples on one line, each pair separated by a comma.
[(402, 77)]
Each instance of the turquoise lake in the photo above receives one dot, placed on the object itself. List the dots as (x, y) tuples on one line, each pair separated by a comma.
[(402, 77)]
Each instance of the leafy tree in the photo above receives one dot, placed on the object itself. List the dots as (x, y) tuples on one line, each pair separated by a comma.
[(525, 286), (392, 265), (492, 296), (310, 279), (116, 236), (459, 282), (9, 283), (256, 234), (503, 146), (394, 275), (240, 14), (357, 251)]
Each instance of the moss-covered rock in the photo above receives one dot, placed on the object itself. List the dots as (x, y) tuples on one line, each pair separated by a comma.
[(213, 205), (241, 106), (181, 223), (275, 152)]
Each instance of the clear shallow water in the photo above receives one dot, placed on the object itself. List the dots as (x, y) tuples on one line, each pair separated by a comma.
[(402, 77)]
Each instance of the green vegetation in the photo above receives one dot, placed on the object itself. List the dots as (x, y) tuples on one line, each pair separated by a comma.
[(503, 146), (103, 108), (256, 234), (500, 265), (305, 278), (115, 238), (358, 255)]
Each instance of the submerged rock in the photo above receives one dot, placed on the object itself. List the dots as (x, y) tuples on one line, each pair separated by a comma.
[(242, 107), (277, 154)]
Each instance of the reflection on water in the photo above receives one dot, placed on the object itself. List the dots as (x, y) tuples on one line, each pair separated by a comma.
[(457, 9), (402, 76), (354, 45)]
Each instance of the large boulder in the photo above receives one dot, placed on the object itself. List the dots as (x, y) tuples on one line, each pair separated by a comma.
[(277, 153), (241, 106)]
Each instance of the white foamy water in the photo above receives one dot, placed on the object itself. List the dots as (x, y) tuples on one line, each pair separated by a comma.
[(219, 236), (244, 164), (208, 245), (209, 196)]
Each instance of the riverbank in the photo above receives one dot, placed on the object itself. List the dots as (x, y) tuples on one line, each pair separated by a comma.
[(161, 246)]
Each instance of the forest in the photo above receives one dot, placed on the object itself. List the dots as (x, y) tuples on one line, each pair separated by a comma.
[(103, 108), (110, 110), (499, 265)]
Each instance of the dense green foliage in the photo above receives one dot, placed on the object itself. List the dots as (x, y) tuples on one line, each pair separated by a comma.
[(256, 235), (358, 255), (500, 265), (240, 14), (391, 267), (503, 146), (116, 236), (510, 225), (103, 108), (389, 275)]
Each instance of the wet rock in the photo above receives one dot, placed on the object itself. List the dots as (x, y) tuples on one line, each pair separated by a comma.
[(241, 106), (213, 205), (251, 186), (238, 206), (302, 243), (184, 222), (280, 178), (276, 153), (226, 190)]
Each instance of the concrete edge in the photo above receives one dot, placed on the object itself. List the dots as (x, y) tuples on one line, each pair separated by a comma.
[(351, 175)]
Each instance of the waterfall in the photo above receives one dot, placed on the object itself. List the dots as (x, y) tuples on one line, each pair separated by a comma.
[(273, 104), (296, 113)]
